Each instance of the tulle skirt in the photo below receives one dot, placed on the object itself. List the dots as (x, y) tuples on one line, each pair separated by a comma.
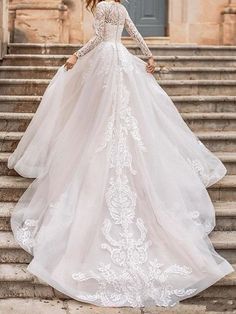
[(118, 214)]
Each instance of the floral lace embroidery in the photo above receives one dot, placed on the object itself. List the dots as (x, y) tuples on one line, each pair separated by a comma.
[(126, 62), (131, 278), (114, 14), (99, 24), (128, 287), (207, 225), (106, 66), (24, 234), (134, 33), (107, 62), (128, 123), (199, 169)]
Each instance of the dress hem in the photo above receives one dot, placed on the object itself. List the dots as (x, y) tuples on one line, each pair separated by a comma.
[(36, 269)]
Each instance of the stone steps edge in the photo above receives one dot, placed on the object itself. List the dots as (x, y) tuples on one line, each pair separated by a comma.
[(25, 276), (193, 116)]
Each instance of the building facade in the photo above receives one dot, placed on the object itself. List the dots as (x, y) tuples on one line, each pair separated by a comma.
[(4, 34), (204, 22)]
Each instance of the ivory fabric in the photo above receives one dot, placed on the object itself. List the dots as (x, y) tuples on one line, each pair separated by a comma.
[(118, 214)]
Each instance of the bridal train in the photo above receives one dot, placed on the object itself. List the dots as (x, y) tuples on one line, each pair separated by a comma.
[(118, 214)]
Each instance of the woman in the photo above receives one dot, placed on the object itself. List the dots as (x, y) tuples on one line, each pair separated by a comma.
[(119, 214)]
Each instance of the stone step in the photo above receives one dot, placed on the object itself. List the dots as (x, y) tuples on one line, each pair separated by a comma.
[(229, 160), (198, 87), (172, 87), (9, 140), (216, 141), (11, 121), (14, 121), (194, 104), (225, 216), (29, 305), (11, 252), (161, 73), (222, 240), (209, 121), (16, 103), (169, 61), (23, 87), (16, 282), (28, 72), (185, 104), (224, 190), (12, 187), (170, 49), (4, 170), (187, 73)]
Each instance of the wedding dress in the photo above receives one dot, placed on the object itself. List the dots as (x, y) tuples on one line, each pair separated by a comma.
[(118, 214)]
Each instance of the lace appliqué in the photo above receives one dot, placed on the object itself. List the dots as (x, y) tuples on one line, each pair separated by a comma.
[(113, 14), (106, 65), (128, 124), (134, 33), (199, 170), (126, 62), (134, 286), (131, 278), (99, 24), (24, 234), (207, 225)]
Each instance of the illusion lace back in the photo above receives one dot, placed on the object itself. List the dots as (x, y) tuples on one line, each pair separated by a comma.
[(119, 214), (110, 19)]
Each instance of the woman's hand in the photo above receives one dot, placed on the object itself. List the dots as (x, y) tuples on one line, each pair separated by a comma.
[(151, 65), (70, 62)]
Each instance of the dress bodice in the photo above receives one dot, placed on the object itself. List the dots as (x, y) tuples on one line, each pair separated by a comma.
[(110, 20), (115, 16)]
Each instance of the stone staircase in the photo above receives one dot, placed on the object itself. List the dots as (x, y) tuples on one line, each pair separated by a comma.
[(201, 80)]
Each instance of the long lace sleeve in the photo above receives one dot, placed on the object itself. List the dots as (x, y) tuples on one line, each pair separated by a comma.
[(99, 24), (134, 33)]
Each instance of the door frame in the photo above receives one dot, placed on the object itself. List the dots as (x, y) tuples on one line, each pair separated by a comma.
[(155, 39)]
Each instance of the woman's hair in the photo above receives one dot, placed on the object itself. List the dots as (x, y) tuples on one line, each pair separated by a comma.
[(91, 4)]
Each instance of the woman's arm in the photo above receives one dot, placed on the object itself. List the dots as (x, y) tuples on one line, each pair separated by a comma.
[(99, 23), (99, 30), (134, 33)]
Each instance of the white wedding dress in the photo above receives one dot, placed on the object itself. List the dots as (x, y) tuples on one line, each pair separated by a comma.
[(118, 214)]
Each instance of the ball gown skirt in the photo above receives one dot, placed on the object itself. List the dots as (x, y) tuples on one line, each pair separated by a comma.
[(118, 214)]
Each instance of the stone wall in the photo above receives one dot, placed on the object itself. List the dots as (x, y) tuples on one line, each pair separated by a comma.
[(3, 27), (228, 30), (202, 21), (208, 22), (39, 21)]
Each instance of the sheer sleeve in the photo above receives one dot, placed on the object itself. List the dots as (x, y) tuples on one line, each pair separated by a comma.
[(99, 30), (134, 33)]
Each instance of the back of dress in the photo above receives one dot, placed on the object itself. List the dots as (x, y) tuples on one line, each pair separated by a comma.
[(119, 214), (111, 17), (110, 20)]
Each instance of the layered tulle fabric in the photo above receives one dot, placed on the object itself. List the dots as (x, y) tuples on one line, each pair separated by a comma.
[(119, 214)]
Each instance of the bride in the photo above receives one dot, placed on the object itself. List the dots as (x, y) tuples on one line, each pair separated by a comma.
[(118, 214)]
